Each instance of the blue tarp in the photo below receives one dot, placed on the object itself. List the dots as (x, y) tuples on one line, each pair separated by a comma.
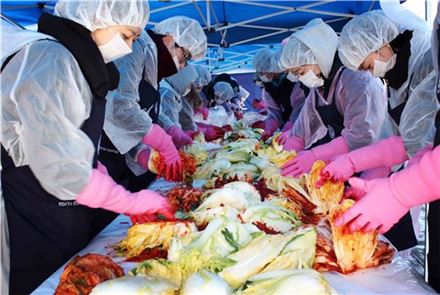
[(251, 25)]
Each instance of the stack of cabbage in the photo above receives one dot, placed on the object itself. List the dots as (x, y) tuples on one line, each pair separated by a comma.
[(243, 159), (233, 254)]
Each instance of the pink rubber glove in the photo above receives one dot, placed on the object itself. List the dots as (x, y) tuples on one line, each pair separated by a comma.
[(356, 194), (143, 157), (388, 199), (259, 124), (238, 115), (387, 152), (180, 139), (191, 134), (419, 154), (101, 168), (288, 126), (258, 104), (304, 161), (271, 125), (284, 137), (374, 173), (204, 111), (102, 192), (299, 165), (211, 132), (294, 143), (161, 142)]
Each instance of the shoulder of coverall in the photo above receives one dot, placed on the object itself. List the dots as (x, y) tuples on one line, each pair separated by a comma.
[(44, 50), (166, 90), (358, 81), (423, 68)]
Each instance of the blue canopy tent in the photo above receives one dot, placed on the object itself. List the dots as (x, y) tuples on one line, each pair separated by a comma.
[(236, 29)]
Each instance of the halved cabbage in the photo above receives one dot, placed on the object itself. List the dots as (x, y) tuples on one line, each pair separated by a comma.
[(205, 282), (271, 216), (328, 195), (304, 282), (135, 286)]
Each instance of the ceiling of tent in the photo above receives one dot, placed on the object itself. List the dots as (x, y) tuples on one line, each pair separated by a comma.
[(236, 29)]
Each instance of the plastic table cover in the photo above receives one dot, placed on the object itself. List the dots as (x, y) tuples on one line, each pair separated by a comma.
[(398, 277)]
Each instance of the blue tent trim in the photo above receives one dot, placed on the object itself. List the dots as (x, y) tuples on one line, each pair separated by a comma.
[(236, 30)]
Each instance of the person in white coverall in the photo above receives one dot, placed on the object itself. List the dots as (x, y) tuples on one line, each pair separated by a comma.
[(393, 44), (54, 86)]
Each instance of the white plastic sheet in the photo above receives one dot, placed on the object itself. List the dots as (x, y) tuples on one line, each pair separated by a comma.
[(399, 277), (217, 117)]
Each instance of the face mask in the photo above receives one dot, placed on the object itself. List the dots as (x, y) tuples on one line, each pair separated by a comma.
[(265, 79), (292, 77), (311, 80), (382, 67), (114, 49)]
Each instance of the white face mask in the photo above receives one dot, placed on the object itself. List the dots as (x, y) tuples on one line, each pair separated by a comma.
[(114, 49), (382, 67), (292, 77), (265, 79), (311, 80)]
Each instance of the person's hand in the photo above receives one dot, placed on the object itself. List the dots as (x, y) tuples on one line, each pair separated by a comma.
[(213, 132), (294, 143), (180, 138), (282, 139), (271, 125), (299, 165), (340, 168), (159, 140), (258, 124), (377, 209), (102, 191)]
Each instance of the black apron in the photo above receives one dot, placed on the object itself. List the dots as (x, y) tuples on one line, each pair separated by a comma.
[(433, 215), (115, 162), (281, 95), (401, 235), (44, 231), (399, 73), (329, 114)]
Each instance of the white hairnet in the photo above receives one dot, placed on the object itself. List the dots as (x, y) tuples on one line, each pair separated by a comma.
[(223, 91), (295, 54), (187, 33), (203, 76), (267, 61), (182, 79), (105, 13), (363, 35), (320, 43)]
